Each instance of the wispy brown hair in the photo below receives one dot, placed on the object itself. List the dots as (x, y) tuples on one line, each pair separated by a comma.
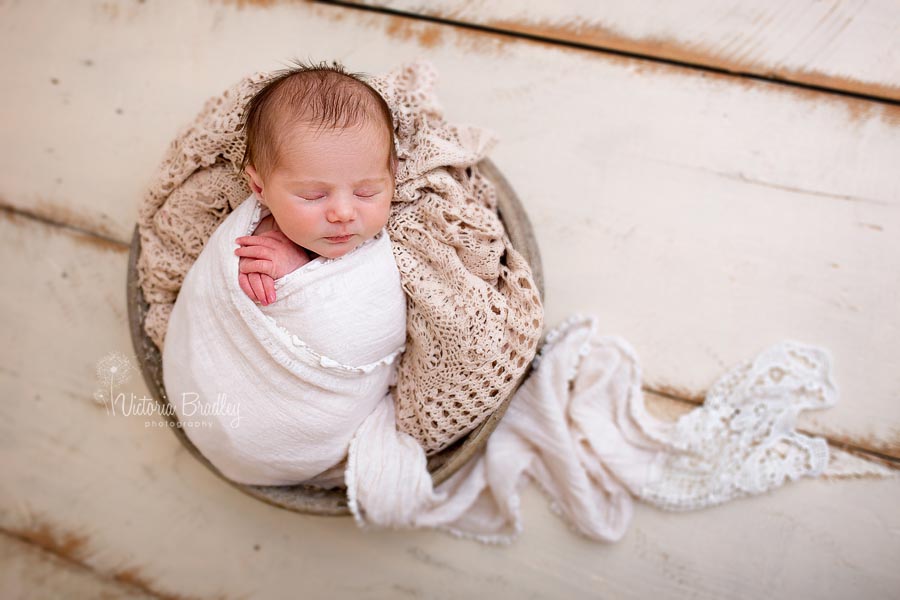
[(321, 94)]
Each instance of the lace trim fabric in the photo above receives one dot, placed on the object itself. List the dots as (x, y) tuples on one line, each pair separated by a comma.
[(290, 339), (742, 441)]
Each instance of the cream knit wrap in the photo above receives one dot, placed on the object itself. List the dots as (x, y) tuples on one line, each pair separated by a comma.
[(474, 316)]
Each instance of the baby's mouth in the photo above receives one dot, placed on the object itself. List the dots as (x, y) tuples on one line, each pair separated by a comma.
[(339, 239)]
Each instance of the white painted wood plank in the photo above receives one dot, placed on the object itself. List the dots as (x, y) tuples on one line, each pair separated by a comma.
[(851, 45), (702, 217), (126, 500), (28, 571)]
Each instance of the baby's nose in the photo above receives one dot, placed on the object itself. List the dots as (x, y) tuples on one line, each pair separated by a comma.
[(340, 209)]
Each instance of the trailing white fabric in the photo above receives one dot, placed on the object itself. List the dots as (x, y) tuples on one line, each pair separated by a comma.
[(273, 395), (311, 372), (578, 426)]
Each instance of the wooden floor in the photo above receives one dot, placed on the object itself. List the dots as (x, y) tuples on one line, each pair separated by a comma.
[(707, 180)]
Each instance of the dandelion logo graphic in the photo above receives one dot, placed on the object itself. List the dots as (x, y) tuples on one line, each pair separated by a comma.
[(113, 370)]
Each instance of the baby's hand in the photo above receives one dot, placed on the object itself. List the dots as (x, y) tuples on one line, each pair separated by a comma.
[(265, 258)]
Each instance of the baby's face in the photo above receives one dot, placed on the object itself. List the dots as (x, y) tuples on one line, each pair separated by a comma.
[(332, 189)]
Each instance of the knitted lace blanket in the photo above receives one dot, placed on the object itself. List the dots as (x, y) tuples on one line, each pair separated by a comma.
[(474, 316)]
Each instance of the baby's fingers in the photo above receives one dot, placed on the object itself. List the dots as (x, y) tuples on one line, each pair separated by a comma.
[(255, 252), (244, 282), (258, 289), (269, 285), (256, 240), (265, 267)]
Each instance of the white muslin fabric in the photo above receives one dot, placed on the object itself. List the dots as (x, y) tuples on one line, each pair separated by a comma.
[(578, 426), (310, 375), (272, 395)]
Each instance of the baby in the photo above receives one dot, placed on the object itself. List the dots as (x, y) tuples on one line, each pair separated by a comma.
[(306, 371), (320, 158)]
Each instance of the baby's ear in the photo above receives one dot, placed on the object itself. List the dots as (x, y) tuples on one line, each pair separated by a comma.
[(255, 182)]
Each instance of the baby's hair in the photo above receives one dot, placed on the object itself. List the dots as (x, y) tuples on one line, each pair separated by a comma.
[(322, 94)]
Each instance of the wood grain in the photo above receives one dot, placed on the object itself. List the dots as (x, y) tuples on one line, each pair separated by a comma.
[(850, 46), (29, 568)]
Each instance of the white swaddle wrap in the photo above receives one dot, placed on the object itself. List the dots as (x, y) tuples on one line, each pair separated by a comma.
[(273, 395)]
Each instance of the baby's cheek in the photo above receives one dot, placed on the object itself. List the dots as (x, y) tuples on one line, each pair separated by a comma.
[(294, 237)]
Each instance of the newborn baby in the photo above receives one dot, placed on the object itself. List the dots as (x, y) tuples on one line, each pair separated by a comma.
[(300, 326), (320, 156)]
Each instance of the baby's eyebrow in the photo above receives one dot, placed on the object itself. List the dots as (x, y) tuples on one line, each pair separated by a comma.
[(371, 180), (326, 184)]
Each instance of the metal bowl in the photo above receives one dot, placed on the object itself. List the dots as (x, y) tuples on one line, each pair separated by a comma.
[(311, 499)]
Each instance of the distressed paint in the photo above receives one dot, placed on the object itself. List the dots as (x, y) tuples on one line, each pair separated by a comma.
[(31, 570), (852, 46)]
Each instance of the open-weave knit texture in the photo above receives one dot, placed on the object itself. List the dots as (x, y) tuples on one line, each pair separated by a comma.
[(474, 316)]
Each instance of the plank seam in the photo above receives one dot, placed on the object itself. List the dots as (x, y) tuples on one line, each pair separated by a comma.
[(27, 214), (772, 78)]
